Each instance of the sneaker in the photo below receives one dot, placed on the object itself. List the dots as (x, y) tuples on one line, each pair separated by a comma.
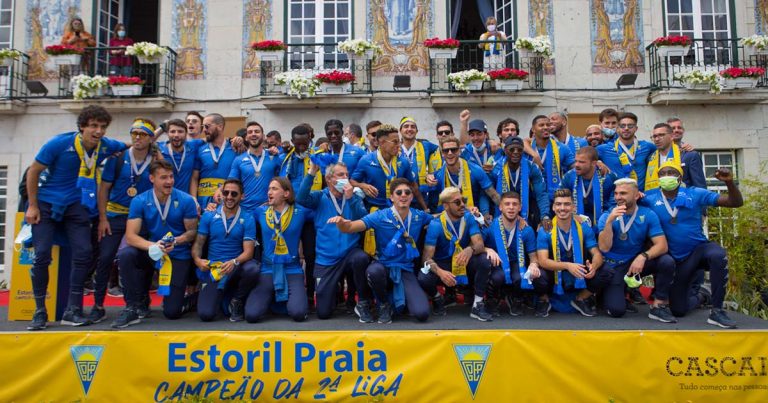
[(583, 306), (73, 316), (542, 308), (449, 297), (438, 306), (385, 312), (363, 311), (705, 298), (718, 317), (631, 308), (480, 313), (39, 320), (637, 297), (115, 291), (492, 305), (127, 317), (662, 314), (237, 310), (515, 306), (97, 314), (144, 312)]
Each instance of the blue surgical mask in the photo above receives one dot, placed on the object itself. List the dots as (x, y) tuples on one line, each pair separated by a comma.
[(608, 133), (341, 183), (121, 34)]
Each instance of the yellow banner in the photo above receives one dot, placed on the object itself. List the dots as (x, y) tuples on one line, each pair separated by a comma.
[(408, 366)]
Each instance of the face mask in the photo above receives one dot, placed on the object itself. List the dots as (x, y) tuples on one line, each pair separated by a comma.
[(341, 183), (155, 253), (608, 133), (121, 34), (491, 28), (481, 148), (669, 183), (302, 155), (345, 140), (633, 281)]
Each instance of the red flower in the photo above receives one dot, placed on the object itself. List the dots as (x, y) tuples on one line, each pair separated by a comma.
[(672, 40), (268, 45), (123, 80), (735, 72), (56, 50), (508, 74), (335, 77), (448, 43)]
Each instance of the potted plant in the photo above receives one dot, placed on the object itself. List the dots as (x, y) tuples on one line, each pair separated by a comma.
[(672, 45), (335, 82), (7, 56), (64, 55), (297, 83), (468, 80), (125, 86), (269, 51), (535, 47), (507, 79), (757, 44), (442, 48), (84, 86), (359, 49), (700, 80), (146, 52), (735, 77)]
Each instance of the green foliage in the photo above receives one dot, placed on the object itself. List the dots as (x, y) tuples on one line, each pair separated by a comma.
[(744, 234)]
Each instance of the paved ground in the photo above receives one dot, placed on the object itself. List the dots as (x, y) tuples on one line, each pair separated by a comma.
[(457, 319)]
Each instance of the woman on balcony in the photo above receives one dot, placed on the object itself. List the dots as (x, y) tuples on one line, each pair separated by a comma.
[(493, 49), (119, 63), (75, 35)]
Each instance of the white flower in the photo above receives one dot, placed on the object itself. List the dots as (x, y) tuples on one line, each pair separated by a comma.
[(701, 77), (84, 86), (540, 45), (145, 49), (759, 42), (462, 78), (298, 83), (9, 54), (358, 47)]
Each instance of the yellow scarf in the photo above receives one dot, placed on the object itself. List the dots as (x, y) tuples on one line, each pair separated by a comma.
[(556, 248), (457, 269), (435, 162), (624, 158), (85, 172), (465, 182), (421, 163), (166, 270), (317, 183), (285, 220), (361, 142), (369, 239), (390, 174), (652, 174)]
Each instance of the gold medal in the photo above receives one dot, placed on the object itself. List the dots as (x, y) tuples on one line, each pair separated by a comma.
[(132, 191)]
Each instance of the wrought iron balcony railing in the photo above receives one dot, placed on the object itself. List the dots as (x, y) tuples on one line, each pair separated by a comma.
[(13, 74), (159, 79), (706, 55), (473, 55)]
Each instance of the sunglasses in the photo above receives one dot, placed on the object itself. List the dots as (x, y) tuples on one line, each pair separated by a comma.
[(451, 150), (372, 133), (401, 192), (627, 126), (208, 125), (228, 193), (459, 202), (139, 134), (443, 132)]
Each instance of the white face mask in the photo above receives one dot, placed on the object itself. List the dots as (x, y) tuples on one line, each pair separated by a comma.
[(491, 28), (340, 184), (345, 140)]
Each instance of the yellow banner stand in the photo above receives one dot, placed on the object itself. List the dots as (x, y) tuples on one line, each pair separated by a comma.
[(22, 300), (377, 366)]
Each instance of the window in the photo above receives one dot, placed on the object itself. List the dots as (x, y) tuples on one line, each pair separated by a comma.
[(318, 22), (708, 20), (109, 16), (6, 24), (720, 219), (3, 205), (505, 19)]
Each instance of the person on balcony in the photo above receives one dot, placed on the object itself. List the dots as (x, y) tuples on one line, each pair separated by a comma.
[(75, 35), (493, 47), (119, 63)]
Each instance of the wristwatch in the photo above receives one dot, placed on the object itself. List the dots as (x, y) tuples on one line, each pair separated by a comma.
[(645, 255)]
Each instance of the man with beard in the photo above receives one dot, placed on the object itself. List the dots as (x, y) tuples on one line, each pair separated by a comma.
[(255, 169), (478, 150), (668, 150), (627, 156), (558, 127), (592, 191), (418, 153), (594, 135), (507, 127), (213, 161), (555, 156), (180, 152)]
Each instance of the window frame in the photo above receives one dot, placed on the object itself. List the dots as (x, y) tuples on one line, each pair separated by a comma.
[(719, 52), (324, 57), (9, 44)]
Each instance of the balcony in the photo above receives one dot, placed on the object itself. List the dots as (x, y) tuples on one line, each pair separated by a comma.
[(705, 55), (157, 93), (309, 59), (470, 55), (13, 89)]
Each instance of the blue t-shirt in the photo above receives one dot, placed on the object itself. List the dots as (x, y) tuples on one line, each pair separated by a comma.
[(479, 180), (646, 226), (255, 187), (223, 247), (369, 171), (436, 236), (608, 202), (292, 167), (687, 233), (608, 153), (566, 159), (182, 208), (124, 180), (529, 242), (292, 237), (429, 149), (209, 169), (182, 175), (332, 244), (544, 241), (63, 166), (383, 223), (575, 143), (537, 189), (481, 158), (351, 156)]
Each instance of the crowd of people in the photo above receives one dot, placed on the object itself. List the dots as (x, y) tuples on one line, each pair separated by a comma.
[(382, 220)]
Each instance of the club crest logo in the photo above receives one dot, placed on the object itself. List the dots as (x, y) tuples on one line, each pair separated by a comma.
[(86, 359), (472, 360)]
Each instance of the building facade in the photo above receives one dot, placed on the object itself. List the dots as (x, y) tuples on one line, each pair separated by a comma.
[(212, 69)]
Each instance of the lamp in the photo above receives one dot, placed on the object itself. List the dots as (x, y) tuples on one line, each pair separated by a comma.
[(36, 87), (401, 82), (626, 80)]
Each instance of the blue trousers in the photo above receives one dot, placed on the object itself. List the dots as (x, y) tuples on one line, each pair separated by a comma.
[(241, 281), (136, 271), (662, 268), (107, 251), (415, 298), (601, 279), (77, 225), (327, 279), (308, 247), (478, 271), (261, 297), (541, 285), (688, 275)]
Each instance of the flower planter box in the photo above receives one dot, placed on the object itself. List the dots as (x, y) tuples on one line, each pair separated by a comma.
[(66, 60), (443, 53), (150, 60), (508, 85), (270, 56), (332, 89), (474, 85), (667, 51), (367, 55), (755, 51), (126, 90), (740, 82), (697, 86), (528, 54)]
